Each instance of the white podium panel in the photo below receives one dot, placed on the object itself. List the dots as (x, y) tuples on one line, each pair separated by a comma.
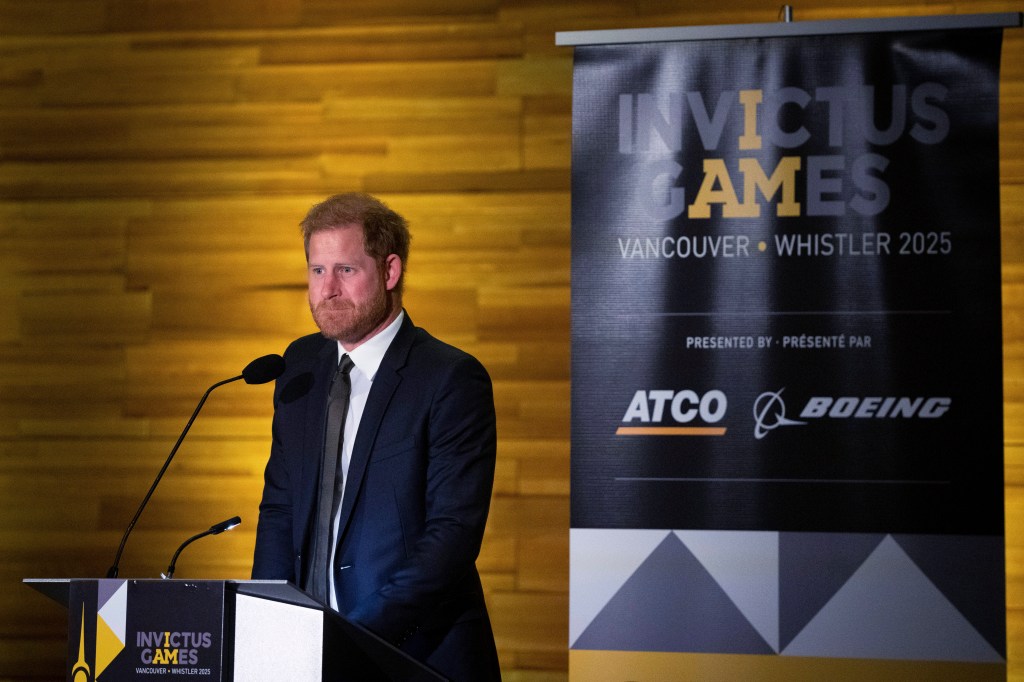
[(275, 641)]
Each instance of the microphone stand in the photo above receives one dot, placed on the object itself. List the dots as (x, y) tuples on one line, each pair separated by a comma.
[(216, 529), (112, 571)]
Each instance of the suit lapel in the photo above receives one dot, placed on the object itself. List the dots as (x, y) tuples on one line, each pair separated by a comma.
[(385, 383)]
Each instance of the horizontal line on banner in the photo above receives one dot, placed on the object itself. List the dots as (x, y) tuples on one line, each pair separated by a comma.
[(859, 481), (670, 431)]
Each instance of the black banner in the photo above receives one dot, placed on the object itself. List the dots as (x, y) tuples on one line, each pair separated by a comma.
[(786, 358), (786, 287)]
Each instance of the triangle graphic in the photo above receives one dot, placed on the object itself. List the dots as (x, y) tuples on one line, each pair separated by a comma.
[(108, 646), (812, 568), (970, 571), (106, 588), (600, 561), (671, 603), (114, 612), (745, 564), (890, 610)]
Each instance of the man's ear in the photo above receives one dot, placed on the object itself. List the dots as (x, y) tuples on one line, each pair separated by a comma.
[(392, 271)]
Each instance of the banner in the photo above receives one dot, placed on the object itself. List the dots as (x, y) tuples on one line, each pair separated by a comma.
[(786, 357), (140, 629)]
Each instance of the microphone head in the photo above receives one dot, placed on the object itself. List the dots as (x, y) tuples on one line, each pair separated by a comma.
[(219, 528), (264, 369)]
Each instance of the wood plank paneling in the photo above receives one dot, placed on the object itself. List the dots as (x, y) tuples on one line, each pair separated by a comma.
[(155, 159)]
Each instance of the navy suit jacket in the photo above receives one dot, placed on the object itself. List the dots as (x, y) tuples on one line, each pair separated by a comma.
[(417, 495)]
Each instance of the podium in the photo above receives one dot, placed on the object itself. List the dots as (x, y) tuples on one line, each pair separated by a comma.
[(217, 630)]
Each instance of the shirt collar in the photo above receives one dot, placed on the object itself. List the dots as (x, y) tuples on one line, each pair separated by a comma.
[(368, 356)]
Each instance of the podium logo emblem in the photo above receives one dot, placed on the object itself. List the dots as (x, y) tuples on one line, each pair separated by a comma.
[(80, 671)]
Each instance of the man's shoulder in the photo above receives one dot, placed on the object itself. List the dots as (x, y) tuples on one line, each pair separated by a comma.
[(308, 346), (302, 359), (425, 342), (428, 351)]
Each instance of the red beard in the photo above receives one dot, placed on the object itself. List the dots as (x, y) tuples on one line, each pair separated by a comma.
[(350, 323)]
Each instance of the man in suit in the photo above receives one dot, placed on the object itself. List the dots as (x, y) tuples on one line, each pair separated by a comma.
[(416, 461)]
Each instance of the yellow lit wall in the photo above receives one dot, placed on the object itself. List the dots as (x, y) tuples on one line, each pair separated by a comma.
[(155, 159)]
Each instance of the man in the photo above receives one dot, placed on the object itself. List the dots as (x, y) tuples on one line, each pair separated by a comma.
[(416, 461)]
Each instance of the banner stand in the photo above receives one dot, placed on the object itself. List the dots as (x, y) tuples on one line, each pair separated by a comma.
[(787, 402), (783, 29)]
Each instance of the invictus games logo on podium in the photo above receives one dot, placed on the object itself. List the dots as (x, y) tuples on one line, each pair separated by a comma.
[(134, 629)]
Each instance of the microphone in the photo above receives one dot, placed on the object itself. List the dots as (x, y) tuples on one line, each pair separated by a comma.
[(259, 371), (215, 529)]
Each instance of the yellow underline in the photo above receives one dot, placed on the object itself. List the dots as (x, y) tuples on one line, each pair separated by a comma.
[(670, 431)]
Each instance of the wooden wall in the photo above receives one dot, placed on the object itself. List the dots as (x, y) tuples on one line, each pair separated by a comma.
[(155, 158)]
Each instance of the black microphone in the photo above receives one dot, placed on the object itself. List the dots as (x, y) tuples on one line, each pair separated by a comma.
[(262, 370), (215, 529), (259, 371)]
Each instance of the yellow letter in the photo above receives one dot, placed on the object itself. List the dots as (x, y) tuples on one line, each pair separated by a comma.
[(750, 99), (715, 170), (783, 176)]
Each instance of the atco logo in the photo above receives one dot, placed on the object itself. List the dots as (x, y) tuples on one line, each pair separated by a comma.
[(770, 410), (671, 413)]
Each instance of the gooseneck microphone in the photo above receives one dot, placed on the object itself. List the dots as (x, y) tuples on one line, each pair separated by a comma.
[(215, 529), (259, 371)]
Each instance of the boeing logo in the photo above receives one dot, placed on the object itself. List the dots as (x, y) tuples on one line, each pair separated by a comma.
[(770, 413), (770, 410)]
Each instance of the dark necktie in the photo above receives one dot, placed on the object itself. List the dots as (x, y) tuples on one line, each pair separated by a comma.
[(331, 479)]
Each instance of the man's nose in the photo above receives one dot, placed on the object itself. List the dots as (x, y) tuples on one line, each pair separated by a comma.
[(330, 286)]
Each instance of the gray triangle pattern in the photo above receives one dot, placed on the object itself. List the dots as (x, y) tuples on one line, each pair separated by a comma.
[(601, 560), (812, 568), (889, 609), (745, 564), (970, 572), (840, 595), (671, 603)]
